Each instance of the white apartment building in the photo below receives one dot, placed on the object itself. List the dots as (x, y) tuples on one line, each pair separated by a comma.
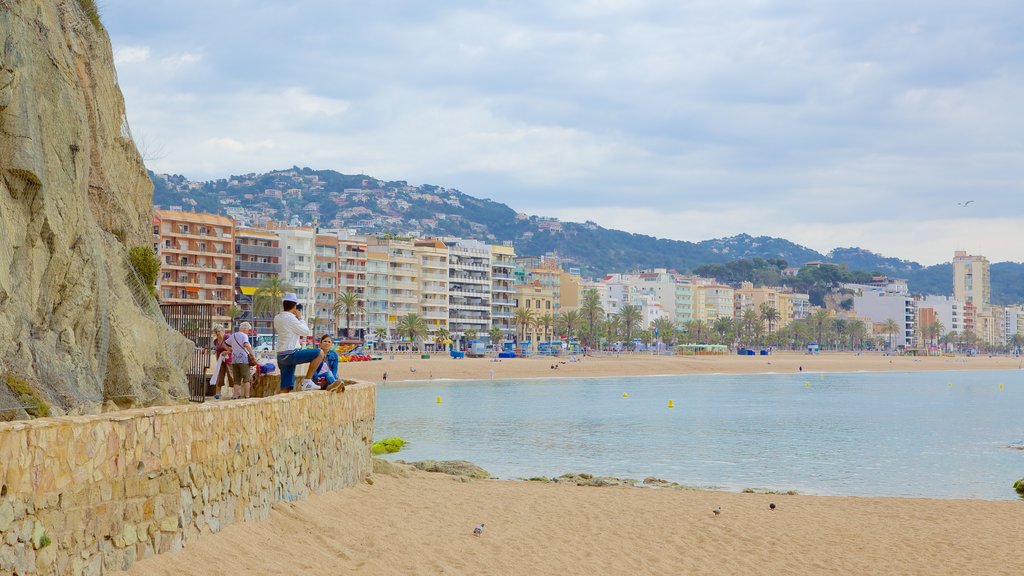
[(432, 257), (469, 287), (879, 306), (297, 262), (948, 311)]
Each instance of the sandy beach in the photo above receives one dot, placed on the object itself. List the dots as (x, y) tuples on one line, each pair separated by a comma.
[(423, 525), (412, 367)]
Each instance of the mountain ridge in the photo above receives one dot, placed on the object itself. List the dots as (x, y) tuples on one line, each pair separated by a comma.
[(375, 206)]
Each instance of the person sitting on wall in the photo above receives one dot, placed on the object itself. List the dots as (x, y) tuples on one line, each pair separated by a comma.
[(291, 327), (326, 375)]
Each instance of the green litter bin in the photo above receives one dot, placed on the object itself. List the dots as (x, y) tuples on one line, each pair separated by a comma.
[(425, 356)]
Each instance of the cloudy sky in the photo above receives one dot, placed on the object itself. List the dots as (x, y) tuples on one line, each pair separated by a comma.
[(829, 123)]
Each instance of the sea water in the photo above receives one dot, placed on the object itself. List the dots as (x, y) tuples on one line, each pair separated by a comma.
[(920, 434)]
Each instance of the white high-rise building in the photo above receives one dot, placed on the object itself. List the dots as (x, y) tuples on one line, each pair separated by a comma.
[(297, 263)]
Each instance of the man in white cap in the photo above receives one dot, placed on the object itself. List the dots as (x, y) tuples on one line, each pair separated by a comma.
[(290, 328)]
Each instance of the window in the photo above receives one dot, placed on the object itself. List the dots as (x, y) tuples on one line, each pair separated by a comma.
[(527, 302), (547, 305), (538, 304)]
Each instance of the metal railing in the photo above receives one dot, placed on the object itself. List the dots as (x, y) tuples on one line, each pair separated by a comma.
[(195, 322)]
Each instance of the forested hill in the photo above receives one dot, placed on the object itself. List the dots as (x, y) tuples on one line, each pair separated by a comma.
[(373, 206)]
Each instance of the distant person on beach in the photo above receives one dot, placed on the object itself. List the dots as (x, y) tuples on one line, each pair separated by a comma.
[(326, 374), (291, 327), (243, 358), (222, 355)]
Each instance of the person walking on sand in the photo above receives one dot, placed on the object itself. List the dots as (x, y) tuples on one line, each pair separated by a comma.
[(243, 358), (290, 326)]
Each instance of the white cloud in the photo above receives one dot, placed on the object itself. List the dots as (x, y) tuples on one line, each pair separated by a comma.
[(812, 121), (131, 55)]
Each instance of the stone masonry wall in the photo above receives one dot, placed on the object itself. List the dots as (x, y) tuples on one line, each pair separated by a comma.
[(90, 495)]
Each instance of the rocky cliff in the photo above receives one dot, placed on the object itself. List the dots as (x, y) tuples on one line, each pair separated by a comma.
[(77, 329)]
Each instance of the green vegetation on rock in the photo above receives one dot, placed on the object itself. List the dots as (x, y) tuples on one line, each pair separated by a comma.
[(1019, 487), (387, 445), (92, 11), (146, 265), (33, 404)]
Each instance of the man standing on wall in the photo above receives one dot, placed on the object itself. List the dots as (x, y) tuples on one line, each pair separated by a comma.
[(291, 327)]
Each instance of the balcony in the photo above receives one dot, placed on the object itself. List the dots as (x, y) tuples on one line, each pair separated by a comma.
[(244, 266), (252, 250)]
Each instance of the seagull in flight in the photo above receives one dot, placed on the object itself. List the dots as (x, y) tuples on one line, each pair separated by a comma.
[(964, 204)]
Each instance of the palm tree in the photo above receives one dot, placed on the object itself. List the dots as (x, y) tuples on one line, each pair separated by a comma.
[(232, 313), (749, 321), (695, 330), (524, 319), (629, 321), (266, 300), (592, 311), (723, 326), (381, 334), (664, 330), (820, 320), (442, 336), (495, 334), (348, 304), (770, 315), (935, 330), (471, 334), (568, 323), (891, 328), (858, 333), (412, 326), (545, 322)]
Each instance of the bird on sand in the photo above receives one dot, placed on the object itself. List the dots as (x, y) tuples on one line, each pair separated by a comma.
[(717, 510), (479, 530), (964, 204), (771, 505)]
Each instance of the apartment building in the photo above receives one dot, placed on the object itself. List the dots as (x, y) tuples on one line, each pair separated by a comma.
[(432, 277), (353, 277), (747, 297), (538, 298), (879, 306), (257, 258), (197, 256), (402, 284), (713, 301), (971, 281), (503, 292), (469, 287), (326, 281), (377, 315), (943, 309), (297, 263)]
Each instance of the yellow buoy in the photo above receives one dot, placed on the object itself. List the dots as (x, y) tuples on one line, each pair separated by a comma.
[(670, 404), (808, 384), (625, 394), (1000, 386), (438, 399), (950, 385)]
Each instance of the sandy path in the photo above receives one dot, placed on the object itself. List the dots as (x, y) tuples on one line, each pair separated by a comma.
[(422, 525)]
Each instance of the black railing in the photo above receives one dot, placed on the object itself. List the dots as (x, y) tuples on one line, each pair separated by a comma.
[(195, 322)]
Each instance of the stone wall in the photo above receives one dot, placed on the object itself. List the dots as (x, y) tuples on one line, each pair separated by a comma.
[(92, 494)]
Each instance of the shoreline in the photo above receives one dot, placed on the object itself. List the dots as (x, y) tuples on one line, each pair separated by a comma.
[(413, 369)]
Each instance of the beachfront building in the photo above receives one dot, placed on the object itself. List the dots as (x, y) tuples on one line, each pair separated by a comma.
[(297, 264), (197, 260), (376, 306), (352, 277), (747, 297), (325, 284), (257, 258), (469, 288), (539, 299), (947, 311), (801, 305), (971, 279), (503, 291), (432, 277), (713, 301), (685, 305), (879, 306), (1013, 326), (570, 290), (402, 286)]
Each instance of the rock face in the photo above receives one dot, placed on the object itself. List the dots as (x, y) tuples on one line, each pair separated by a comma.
[(76, 324), (452, 468)]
